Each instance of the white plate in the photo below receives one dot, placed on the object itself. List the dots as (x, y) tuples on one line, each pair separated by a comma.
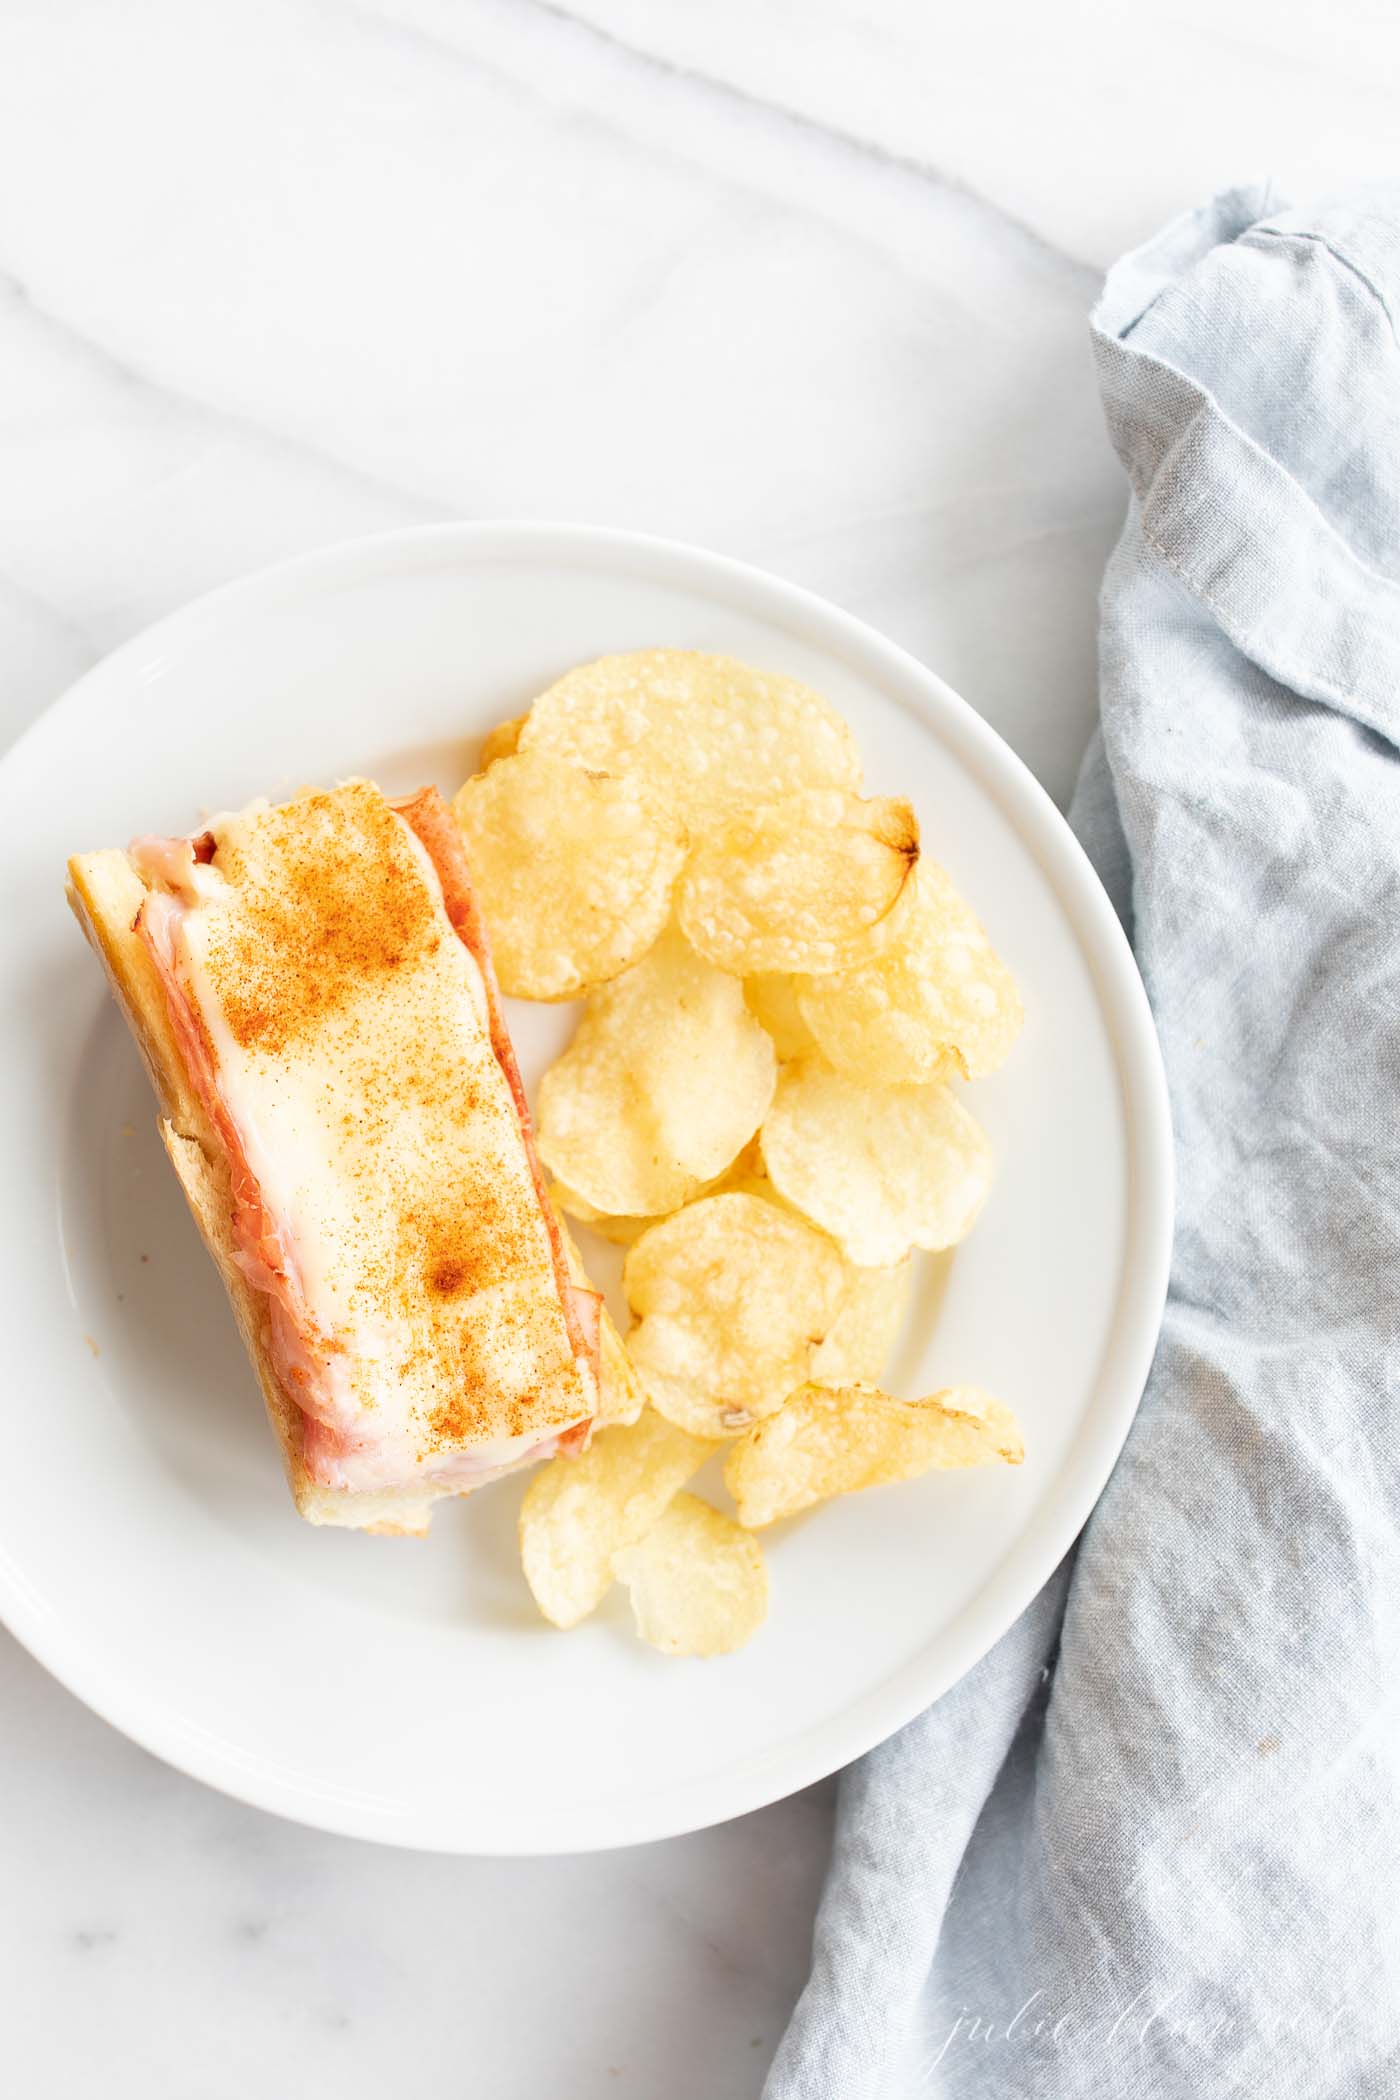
[(149, 1555)]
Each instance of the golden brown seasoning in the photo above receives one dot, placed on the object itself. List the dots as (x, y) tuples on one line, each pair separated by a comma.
[(349, 909)]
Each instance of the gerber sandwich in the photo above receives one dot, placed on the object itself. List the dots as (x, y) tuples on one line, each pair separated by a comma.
[(313, 992)]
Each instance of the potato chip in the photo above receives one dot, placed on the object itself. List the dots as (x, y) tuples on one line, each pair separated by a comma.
[(731, 1297), (620, 1231), (573, 871), (801, 884), (833, 1441), (860, 1340), (741, 1168), (579, 1512), (620, 1395), (936, 996), (665, 1082), (501, 742), (751, 1181), (862, 1337), (705, 733), (697, 1581), (882, 1169), (567, 1200), (772, 997)]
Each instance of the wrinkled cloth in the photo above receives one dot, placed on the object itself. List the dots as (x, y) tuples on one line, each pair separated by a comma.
[(1150, 1847)]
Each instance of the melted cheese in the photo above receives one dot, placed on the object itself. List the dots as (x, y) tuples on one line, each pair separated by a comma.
[(349, 1029)]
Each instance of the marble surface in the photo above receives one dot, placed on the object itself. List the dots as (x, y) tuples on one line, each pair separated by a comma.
[(806, 282)]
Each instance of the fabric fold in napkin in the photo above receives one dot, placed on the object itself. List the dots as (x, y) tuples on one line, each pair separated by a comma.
[(1151, 1845)]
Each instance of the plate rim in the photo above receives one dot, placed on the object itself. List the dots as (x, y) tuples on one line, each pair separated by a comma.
[(826, 1746)]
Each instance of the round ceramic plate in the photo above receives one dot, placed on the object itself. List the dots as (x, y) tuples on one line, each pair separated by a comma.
[(149, 1554)]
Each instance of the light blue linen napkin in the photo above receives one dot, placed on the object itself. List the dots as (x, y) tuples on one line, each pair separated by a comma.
[(1150, 1847)]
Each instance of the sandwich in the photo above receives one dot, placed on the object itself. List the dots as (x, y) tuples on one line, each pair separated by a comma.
[(311, 987)]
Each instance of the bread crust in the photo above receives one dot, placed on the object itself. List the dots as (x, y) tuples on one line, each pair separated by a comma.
[(106, 891)]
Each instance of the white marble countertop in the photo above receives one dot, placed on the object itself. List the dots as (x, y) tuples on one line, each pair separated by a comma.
[(806, 283)]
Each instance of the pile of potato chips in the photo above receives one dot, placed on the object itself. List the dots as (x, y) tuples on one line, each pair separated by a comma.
[(781, 996)]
